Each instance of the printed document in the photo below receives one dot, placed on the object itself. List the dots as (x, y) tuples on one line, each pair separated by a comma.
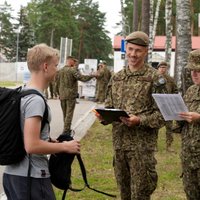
[(170, 105)]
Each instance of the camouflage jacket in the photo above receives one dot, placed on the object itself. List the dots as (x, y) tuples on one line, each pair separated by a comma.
[(191, 131), (103, 76), (132, 92), (67, 82), (170, 84)]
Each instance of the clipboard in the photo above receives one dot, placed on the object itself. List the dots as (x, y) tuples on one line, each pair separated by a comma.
[(111, 115)]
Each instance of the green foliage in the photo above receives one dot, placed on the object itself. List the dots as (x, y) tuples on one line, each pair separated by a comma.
[(97, 154), (26, 35), (93, 41), (49, 17), (80, 21), (195, 5), (7, 35), (46, 21)]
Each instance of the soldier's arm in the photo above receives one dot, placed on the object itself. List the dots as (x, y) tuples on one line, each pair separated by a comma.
[(80, 77), (100, 74)]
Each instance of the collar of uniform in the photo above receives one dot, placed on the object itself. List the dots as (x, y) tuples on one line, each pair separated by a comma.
[(140, 72)]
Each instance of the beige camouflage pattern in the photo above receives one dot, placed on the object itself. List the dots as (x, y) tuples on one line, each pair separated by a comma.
[(68, 106), (170, 84), (132, 92), (194, 60), (103, 78), (67, 89), (190, 153), (171, 89), (142, 168), (67, 82), (162, 63)]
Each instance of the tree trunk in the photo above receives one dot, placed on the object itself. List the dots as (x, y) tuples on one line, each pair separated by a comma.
[(192, 14), (183, 44), (135, 15), (52, 37), (153, 27), (168, 43), (145, 16), (123, 20)]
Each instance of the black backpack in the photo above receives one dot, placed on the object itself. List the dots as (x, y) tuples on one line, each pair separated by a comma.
[(60, 169), (11, 137)]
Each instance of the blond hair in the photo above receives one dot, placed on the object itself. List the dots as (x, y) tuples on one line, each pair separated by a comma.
[(39, 54)]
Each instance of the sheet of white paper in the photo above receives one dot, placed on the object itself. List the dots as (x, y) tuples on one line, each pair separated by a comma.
[(170, 105)]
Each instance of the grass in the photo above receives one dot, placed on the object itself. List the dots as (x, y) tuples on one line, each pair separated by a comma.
[(97, 155), (8, 84), (169, 170)]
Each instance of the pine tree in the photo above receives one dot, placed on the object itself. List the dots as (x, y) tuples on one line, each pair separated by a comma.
[(26, 35), (7, 34)]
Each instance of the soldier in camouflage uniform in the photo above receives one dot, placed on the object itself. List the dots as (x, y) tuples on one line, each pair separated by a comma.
[(135, 138), (103, 77), (97, 83), (190, 151), (67, 89), (171, 89)]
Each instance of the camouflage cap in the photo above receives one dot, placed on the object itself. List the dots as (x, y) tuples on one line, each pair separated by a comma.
[(103, 62), (139, 38), (194, 60), (75, 60), (163, 63), (70, 57)]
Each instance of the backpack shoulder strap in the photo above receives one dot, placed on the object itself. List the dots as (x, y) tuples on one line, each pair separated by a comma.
[(45, 116), (44, 121), (84, 175)]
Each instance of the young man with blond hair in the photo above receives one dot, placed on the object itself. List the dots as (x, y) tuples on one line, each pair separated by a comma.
[(42, 63)]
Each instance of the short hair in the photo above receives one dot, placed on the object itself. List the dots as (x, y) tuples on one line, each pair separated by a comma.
[(39, 54)]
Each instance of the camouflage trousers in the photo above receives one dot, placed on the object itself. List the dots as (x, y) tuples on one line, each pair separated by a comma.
[(136, 175), (101, 92), (191, 183), (169, 133), (68, 107)]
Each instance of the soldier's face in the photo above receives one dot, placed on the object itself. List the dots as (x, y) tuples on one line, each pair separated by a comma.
[(136, 54), (195, 76), (70, 62), (162, 69)]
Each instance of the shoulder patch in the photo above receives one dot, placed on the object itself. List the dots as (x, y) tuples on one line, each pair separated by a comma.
[(145, 78), (160, 81)]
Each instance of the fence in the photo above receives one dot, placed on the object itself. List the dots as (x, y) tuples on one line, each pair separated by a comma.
[(12, 71)]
